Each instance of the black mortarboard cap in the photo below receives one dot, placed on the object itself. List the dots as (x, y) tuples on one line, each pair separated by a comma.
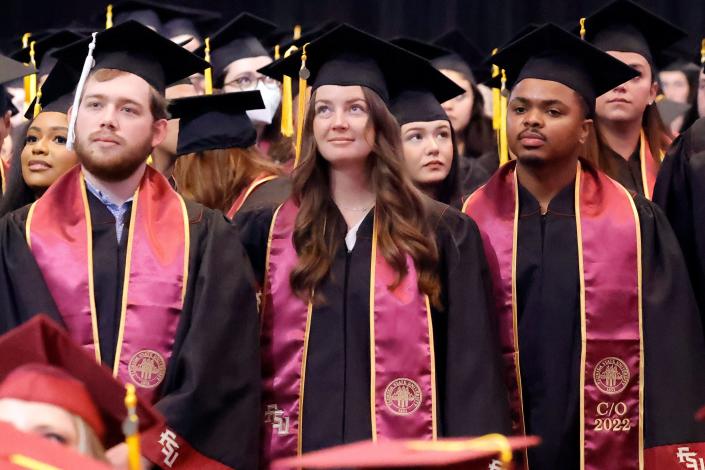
[(554, 54), (45, 47), (210, 122), (167, 19), (57, 91), (134, 48), (464, 53), (418, 103), (11, 69), (239, 39), (347, 56), (625, 26)]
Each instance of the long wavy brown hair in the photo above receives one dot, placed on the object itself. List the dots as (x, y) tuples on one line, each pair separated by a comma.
[(215, 178), (402, 225)]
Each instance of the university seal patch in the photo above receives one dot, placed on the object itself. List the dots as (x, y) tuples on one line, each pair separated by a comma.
[(611, 375), (147, 368), (402, 396)]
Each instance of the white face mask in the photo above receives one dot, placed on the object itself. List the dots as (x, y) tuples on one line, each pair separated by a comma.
[(271, 97)]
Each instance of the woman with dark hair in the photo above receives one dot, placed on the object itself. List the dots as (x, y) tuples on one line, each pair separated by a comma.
[(473, 127), (375, 309), (631, 136), (40, 156)]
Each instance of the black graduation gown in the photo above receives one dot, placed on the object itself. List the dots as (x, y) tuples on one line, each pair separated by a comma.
[(472, 396), (680, 191), (474, 172), (550, 339), (626, 172), (211, 392), (269, 194)]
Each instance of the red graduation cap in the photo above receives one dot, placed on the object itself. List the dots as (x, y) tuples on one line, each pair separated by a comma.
[(40, 362), (474, 453), (21, 450)]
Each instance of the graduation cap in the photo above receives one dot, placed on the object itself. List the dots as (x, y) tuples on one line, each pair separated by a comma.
[(40, 362), (465, 55), (22, 450), (11, 69), (421, 48), (239, 39), (45, 47), (416, 103), (169, 20), (134, 48), (56, 93), (467, 454), (347, 56), (308, 35), (626, 26), (210, 122), (552, 53)]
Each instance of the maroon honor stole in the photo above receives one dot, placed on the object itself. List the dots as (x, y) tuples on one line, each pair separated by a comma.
[(59, 233), (612, 359), (245, 193), (402, 378)]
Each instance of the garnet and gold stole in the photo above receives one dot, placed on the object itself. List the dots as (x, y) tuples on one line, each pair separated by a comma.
[(60, 236), (402, 377), (609, 259), (245, 193)]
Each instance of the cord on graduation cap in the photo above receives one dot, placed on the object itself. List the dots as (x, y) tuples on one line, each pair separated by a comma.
[(287, 124), (109, 16), (87, 66), (32, 77), (27, 92), (304, 73), (208, 73)]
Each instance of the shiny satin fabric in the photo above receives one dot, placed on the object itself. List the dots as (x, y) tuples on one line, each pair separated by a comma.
[(156, 270), (403, 401), (612, 353), (649, 167), (245, 193)]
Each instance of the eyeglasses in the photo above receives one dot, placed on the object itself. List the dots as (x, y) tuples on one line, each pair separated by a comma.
[(249, 81)]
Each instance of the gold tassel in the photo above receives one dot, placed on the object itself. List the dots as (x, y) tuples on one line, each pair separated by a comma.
[(27, 88), (37, 104), (130, 428), (277, 55), (495, 97), (702, 51), (297, 32), (287, 124), (582, 28), (304, 73), (32, 77), (209, 71), (503, 143), (109, 17)]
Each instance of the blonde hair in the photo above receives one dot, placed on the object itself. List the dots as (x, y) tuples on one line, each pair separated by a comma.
[(88, 442)]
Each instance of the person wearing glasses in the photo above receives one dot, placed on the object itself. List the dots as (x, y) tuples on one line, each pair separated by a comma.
[(236, 53)]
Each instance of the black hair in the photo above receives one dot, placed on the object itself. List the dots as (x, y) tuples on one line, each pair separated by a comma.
[(18, 193)]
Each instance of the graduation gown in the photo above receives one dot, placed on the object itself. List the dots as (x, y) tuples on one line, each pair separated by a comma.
[(680, 192), (472, 399), (474, 172), (626, 172), (548, 289), (211, 391)]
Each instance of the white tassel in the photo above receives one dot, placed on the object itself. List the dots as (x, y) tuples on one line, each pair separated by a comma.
[(87, 66)]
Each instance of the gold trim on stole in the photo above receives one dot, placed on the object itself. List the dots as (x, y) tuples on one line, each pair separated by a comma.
[(373, 379), (583, 324)]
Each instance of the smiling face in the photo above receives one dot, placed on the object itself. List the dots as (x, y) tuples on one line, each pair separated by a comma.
[(41, 419), (341, 124), (628, 101), (115, 130), (545, 121), (428, 151), (45, 156)]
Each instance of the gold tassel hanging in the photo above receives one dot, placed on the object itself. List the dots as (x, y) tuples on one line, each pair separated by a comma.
[(582, 28), (130, 428), (702, 52), (297, 32), (304, 73), (277, 54), (27, 82), (37, 104), (109, 16), (503, 143), (287, 124), (208, 73), (495, 97), (32, 77)]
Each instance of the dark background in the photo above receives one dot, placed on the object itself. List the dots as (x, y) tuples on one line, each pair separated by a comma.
[(488, 23)]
